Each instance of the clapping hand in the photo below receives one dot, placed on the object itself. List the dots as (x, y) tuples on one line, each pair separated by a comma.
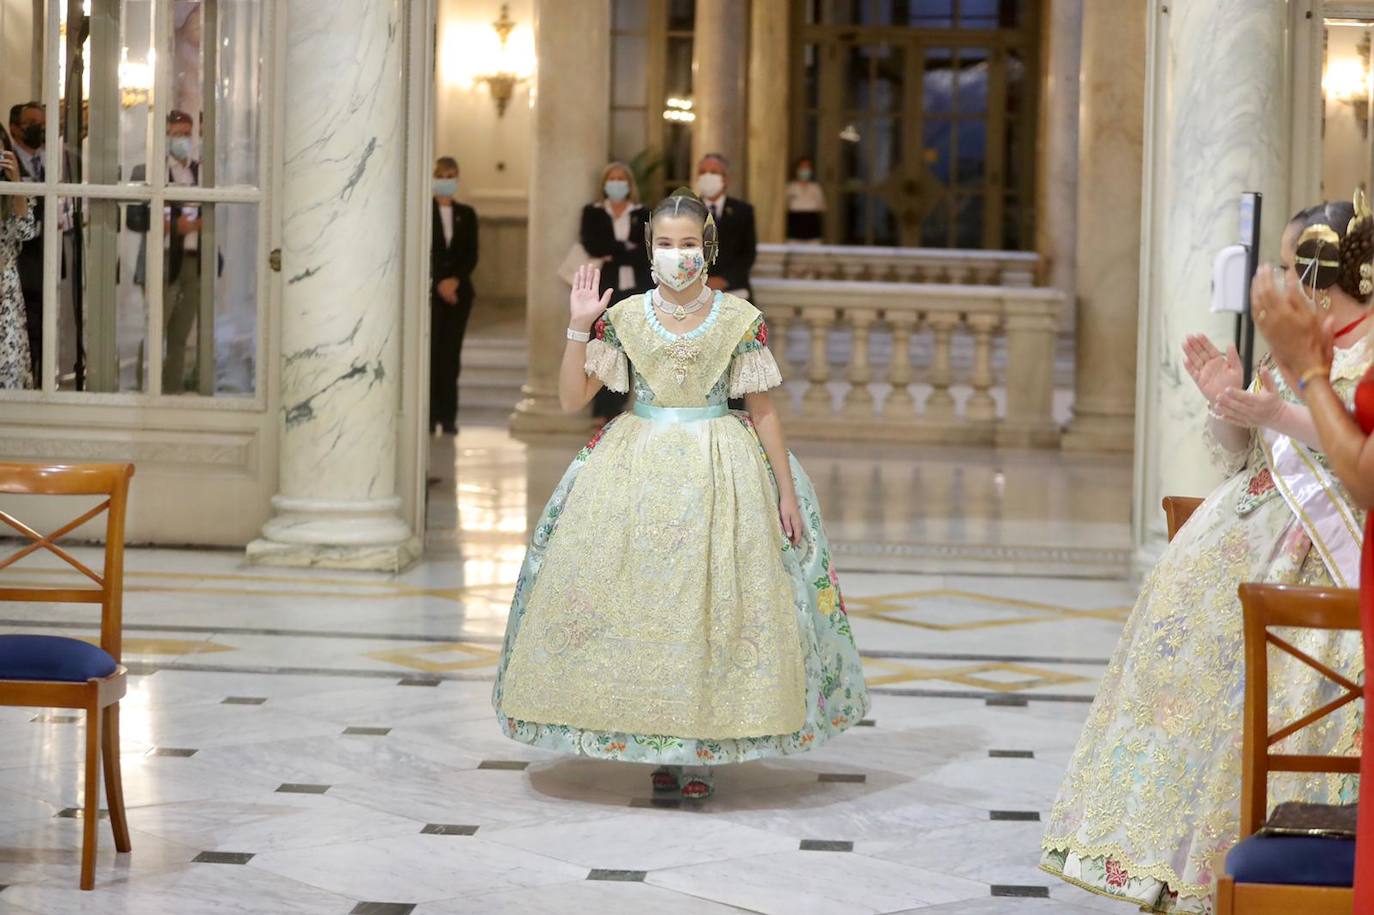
[(1242, 408), (1212, 371), (585, 304)]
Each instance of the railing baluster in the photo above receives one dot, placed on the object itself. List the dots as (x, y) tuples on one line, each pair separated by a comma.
[(940, 404), (816, 401), (982, 408), (900, 405), (858, 402)]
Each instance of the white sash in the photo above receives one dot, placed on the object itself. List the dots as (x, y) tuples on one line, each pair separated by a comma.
[(1315, 498)]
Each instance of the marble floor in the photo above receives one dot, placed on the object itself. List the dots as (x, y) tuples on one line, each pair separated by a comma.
[(323, 742)]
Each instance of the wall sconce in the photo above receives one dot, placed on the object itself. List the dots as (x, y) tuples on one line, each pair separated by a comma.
[(680, 110), (503, 64), (136, 79), (1346, 80)]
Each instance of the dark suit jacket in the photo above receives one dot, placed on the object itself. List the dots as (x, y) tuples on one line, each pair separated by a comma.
[(598, 238), (137, 218), (738, 245), (30, 260), (458, 257)]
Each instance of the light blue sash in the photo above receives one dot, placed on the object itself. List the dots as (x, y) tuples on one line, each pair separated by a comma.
[(675, 415)]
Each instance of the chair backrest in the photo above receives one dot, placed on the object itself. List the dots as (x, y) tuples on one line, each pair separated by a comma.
[(109, 480), (1177, 511), (1267, 607)]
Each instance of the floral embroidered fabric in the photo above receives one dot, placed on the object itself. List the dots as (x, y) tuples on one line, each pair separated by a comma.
[(660, 615), (15, 365), (1148, 808)]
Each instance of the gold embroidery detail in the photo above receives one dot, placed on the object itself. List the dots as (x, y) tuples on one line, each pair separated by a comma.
[(663, 605)]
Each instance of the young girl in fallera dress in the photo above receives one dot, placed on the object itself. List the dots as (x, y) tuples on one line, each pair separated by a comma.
[(710, 628)]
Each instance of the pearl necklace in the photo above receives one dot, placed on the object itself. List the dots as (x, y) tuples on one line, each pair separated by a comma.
[(682, 311)]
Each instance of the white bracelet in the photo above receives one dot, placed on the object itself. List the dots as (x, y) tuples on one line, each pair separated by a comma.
[(579, 336)]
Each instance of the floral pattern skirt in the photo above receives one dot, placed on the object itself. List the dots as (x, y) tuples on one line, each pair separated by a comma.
[(1150, 804), (836, 697)]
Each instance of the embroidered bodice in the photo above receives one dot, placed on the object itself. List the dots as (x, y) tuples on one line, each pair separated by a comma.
[(726, 356)]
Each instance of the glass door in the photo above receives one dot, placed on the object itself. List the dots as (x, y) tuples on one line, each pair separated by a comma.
[(138, 124), (921, 118)]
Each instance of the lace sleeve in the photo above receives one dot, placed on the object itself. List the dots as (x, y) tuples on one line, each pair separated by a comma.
[(752, 368), (1227, 461), (606, 358)]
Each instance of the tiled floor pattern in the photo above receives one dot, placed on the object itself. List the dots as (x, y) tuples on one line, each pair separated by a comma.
[(321, 742), (318, 742), (336, 791)]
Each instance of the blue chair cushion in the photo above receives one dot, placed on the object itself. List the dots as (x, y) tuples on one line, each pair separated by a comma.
[(52, 657), (1298, 860)]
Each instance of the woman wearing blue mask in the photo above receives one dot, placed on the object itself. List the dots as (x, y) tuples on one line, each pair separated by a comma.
[(453, 258), (613, 233)]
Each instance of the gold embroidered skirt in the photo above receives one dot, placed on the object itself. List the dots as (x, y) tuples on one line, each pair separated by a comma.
[(663, 606)]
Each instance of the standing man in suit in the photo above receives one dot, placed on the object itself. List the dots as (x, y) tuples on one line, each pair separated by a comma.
[(734, 225), (181, 235), (453, 256), (735, 231), (28, 129)]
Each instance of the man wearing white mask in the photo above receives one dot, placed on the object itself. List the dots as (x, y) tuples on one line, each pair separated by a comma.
[(735, 223), (181, 223)]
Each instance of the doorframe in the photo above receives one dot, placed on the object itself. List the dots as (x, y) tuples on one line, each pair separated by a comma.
[(412, 424)]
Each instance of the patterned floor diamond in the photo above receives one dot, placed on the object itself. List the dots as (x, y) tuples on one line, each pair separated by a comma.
[(421, 658), (959, 610), (994, 676)]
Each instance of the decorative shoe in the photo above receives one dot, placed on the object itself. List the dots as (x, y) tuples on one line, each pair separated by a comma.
[(666, 779), (698, 788)]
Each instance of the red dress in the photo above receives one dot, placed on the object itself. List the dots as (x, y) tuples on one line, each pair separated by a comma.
[(1364, 843)]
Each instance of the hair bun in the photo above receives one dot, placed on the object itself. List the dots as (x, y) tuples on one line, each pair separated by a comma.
[(1357, 252)]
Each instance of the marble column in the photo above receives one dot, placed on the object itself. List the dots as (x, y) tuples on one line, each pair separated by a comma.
[(1057, 196), (569, 146), (1215, 127), (719, 51), (770, 71), (1110, 160), (343, 204)]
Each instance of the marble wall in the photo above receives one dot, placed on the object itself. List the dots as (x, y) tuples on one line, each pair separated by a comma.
[(1217, 125)]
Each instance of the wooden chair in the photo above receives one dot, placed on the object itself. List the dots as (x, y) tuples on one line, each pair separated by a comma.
[(1285, 860), (55, 672), (1177, 511)]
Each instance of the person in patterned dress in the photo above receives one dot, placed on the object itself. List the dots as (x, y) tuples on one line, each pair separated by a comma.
[(16, 227), (710, 629)]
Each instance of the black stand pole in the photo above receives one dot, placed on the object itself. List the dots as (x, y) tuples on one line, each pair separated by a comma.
[(1245, 325)]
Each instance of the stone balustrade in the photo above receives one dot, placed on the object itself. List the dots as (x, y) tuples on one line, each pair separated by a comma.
[(906, 401), (942, 266)]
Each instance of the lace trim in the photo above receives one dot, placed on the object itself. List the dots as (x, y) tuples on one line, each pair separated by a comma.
[(753, 373), (609, 364), (1228, 462), (1351, 363), (1161, 872)]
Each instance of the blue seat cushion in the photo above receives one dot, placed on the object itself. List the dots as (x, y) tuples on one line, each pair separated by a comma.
[(52, 657), (1299, 860)]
